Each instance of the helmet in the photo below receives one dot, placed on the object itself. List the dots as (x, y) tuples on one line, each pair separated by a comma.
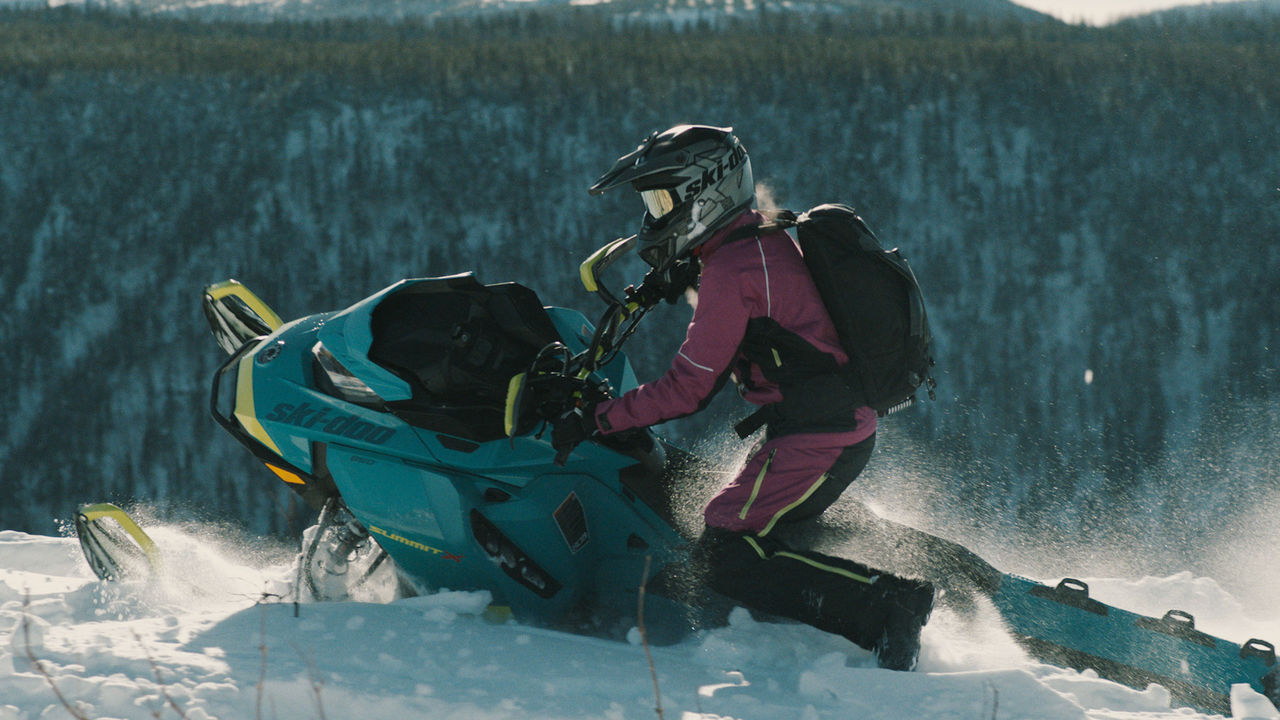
[(693, 179)]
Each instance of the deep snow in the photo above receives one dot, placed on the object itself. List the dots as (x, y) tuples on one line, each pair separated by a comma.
[(216, 636)]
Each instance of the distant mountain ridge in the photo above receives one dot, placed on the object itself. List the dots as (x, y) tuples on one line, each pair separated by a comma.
[(675, 10), (1246, 8)]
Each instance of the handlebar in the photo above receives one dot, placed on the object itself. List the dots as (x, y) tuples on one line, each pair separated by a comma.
[(623, 314), (557, 378)]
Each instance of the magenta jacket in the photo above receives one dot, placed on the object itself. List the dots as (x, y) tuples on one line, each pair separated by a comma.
[(743, 279)]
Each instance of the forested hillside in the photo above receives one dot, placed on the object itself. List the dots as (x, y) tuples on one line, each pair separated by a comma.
[(1093, 214)]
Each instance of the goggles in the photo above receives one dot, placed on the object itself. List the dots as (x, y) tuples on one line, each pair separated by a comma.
[(659, 202)]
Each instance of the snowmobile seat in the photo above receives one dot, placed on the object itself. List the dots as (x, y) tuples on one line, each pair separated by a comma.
[(457, 343)]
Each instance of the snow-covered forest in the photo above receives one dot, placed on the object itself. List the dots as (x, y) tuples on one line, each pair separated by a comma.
[(1092, 212)]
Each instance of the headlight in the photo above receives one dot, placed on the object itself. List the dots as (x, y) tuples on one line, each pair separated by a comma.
[(340, 382)]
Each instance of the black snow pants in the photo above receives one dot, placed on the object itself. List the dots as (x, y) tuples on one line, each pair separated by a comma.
[(828, 592)]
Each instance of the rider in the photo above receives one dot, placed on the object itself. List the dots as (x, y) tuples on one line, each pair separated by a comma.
[(757, 309)]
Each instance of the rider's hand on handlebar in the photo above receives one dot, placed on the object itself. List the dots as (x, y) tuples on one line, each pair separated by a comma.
[(576, 424), (668, 285)]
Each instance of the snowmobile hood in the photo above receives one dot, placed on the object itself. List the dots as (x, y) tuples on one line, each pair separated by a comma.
[(348, 334)]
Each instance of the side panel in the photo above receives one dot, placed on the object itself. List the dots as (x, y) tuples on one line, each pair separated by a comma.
[(413, 514), (297, 416), (449, 529), (540, 548)]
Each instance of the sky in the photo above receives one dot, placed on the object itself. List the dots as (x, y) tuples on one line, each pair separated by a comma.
[(1099, 12)]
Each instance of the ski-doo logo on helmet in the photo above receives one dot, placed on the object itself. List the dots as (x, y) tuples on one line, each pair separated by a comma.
[(712, 175), (332, 423)]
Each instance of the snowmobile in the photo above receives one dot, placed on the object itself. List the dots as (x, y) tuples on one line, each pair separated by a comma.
[(415, 423)]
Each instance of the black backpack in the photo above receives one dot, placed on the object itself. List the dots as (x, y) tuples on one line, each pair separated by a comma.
[(874, 301)]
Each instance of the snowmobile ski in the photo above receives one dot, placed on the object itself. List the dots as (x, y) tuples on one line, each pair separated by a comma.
[(1062, 625), (115, 547), (236, 315)]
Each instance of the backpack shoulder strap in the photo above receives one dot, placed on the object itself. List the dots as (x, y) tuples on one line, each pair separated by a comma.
[(782, 220), (786, 218)]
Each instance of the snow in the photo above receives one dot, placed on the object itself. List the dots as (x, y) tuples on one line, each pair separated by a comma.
[(217, 635)]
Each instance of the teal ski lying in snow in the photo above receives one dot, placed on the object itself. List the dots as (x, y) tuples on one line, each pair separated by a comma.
[(1062, 625), (413, 422)]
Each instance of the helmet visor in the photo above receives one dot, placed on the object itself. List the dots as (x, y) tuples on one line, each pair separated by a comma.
[(658, 202)]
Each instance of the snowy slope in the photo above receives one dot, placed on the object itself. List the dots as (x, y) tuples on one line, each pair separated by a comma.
[(198, 645)]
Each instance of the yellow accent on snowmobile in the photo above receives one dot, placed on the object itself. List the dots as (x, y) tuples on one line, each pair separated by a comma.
[(514, 389), (217, 291), (289, 477), (244, 411)]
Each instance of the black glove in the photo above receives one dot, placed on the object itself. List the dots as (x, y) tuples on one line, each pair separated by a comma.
[(572, 427), (668, 285)]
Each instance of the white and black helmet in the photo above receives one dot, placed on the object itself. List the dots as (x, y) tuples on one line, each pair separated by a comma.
[(693, 179)]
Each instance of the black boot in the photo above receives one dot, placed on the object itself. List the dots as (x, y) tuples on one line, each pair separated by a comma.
[(908, 605), (875, 610)]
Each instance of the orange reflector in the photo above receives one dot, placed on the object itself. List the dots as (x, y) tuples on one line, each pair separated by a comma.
[(285, 475)]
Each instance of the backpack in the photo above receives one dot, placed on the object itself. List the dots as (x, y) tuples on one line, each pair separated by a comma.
[(882, 324)]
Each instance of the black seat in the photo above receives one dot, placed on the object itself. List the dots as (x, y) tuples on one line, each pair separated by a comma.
[(458, 343)]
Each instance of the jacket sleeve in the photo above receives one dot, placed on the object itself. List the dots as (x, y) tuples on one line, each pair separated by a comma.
[(701, 366)]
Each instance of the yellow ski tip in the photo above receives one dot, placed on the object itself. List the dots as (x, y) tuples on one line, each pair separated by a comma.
[(234, 288), (116, 548)]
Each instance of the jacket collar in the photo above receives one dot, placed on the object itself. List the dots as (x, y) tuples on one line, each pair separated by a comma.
[(717, 239)]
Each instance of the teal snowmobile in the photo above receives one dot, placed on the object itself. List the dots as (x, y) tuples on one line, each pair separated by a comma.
[(412, 421), (415, 423)]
